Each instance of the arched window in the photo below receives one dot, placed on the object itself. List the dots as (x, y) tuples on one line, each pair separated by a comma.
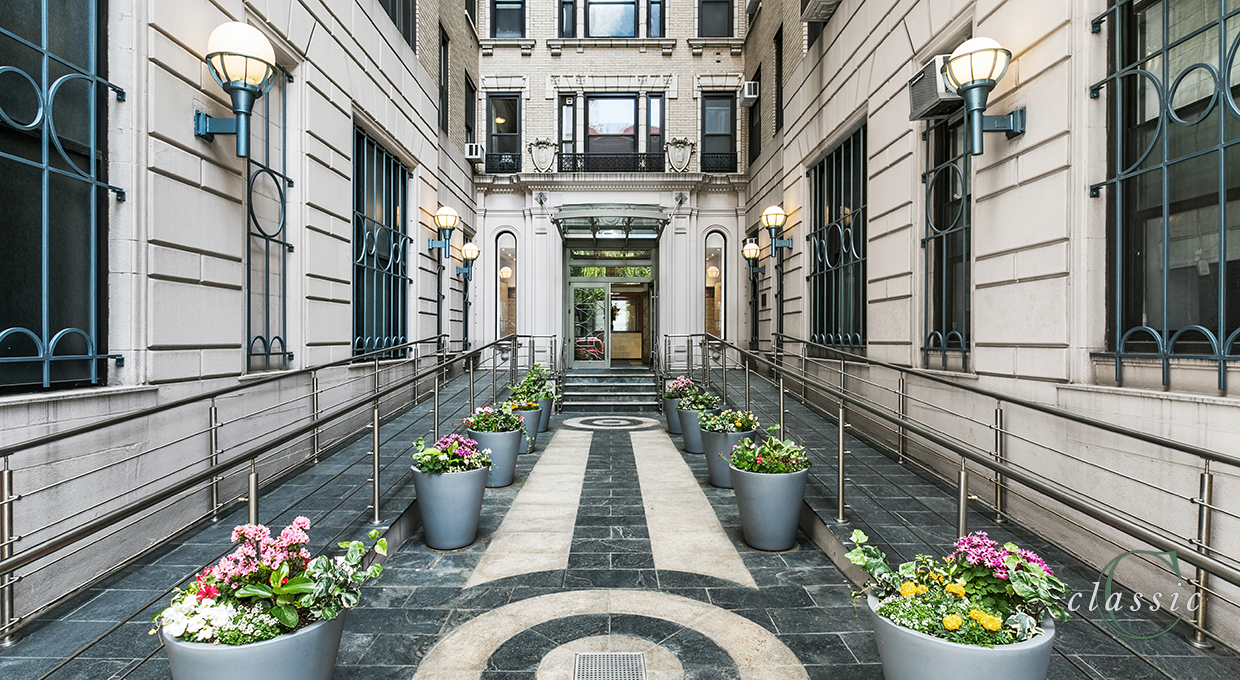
[(506, 246), (714, 272)]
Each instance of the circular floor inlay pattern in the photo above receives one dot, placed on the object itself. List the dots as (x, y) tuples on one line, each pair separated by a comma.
[(611, 423), (661, 664)]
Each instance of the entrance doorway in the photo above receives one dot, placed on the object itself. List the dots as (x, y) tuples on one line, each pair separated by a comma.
[(610, 298)]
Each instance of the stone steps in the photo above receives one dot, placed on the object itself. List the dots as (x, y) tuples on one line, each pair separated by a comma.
[(630, 390)]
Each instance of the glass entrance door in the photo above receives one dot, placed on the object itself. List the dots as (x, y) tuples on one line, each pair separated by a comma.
[(591, 314)]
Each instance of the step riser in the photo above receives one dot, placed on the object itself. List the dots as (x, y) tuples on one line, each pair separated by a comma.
[(621, 407)]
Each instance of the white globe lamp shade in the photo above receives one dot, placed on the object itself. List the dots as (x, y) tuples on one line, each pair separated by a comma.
[(446, 218), (470, 251), (978, 61), (505, 273), (240, 53), (774, 216)]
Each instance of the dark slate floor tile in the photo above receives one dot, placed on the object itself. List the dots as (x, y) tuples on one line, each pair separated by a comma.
[(397, 650)]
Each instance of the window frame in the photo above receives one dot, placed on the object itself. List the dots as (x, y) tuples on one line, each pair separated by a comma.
[(590, 33), (404, 15), (716, 5), (636, 121), (491, 146), (387, 323), (779, 79), (518, 6), (754, 123), (656, 29), (654, 142), (471, 110), (567, 24), (445, 77), (948, 298), (722, 301), (730, 96), (500, 300), (838, 189)]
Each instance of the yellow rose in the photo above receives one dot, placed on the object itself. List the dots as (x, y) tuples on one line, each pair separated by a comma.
[(952, 622)]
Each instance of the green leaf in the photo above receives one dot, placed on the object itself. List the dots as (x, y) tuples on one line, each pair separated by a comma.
[(297, 585), (254, 590), (381, 546), (279, 575), (286, 615), (859, 537)]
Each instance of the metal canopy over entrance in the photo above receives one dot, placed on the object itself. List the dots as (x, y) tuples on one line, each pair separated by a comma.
[(620, 225)]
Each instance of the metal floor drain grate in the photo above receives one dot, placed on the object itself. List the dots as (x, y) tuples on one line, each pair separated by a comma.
[(610, 666)]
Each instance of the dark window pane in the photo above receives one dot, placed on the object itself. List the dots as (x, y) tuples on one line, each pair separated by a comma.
[(509, 20), (715, 19)]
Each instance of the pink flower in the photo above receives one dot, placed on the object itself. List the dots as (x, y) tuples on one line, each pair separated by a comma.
[(208, 592)]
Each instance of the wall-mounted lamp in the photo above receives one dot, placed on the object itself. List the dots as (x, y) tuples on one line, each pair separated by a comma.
[(469, 252), (751, 251), (972, 71), (446, 220), (241, 59), (773, 219)]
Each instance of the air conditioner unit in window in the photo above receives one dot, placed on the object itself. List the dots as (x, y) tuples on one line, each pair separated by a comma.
[(928, 95), (749, 93), (473, 152)]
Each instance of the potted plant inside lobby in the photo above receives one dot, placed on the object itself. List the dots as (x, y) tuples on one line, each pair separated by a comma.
[(769, 478), (450, 479), (689, 410), (268, 611), (530, 413), (721, 432), (986, 609), (498, 430), (671, 398)]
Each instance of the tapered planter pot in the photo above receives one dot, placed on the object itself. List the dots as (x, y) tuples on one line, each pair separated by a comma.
[(504, 447), (718, 447), (909, 655), (308, 654), (672, 414), (770, 507), (530, 423), (691, 431), (544, 420), (450, 504)]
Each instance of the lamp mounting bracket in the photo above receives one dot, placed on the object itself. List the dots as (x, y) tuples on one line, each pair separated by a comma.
[(207, 127), (1012, 124), (781, 243)]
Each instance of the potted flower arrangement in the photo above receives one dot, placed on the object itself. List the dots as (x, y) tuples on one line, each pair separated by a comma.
[(499, 431), (268, 611), (530, 413), (689, 410), (538, 387), (721, 432), (450, 479), (769, 478), (676, 389), (986, 608)]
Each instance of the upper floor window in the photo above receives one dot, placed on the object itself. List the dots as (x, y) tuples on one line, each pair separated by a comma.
[(611, 124), (654, 19), (443, 80), (568, 124), (471, 8), (837, 280), (504, 136), (755, 124), (654, 124), (779, 79), (718, 132), (611, 18), (1173, 182), (568, 18), (404, 14), (715, 18), (471, 110), (507, 18)]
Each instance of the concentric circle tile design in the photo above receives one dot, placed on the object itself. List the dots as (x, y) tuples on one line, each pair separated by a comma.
[(611, 422), (661, 664)]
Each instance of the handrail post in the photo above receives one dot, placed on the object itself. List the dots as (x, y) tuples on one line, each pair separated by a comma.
[(840, 453), (689, 357), (804, 369), (512, 361), (748, 395), (494, 372), (962, 498), (314, 404), (533, 350), (214, 415), (723, 370), (469, 369), (902, 412), (375, 444), (1201, 583), (252, 500), (435, 429), (8, 610), (782, 434), (1000, 457)]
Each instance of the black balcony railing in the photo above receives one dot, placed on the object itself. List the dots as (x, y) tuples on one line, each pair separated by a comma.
[(611, 162), (500, 163), (718, 162)]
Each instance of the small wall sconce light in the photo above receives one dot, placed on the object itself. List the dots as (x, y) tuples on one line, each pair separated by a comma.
[(972, 71), (751, 251), (469, 252), (241, 59), (445, 220), (773, 219), (505, 273)]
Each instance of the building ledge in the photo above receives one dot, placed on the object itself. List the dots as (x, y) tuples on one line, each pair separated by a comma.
[(488, 45), (700, 45), (605, 181), (557, 45)]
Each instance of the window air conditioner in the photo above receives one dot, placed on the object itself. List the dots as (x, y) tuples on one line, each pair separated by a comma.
[(473, 152), (749, 93), (928, 95)]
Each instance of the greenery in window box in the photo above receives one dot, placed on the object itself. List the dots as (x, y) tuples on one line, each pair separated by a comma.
[(982, 594), (698, 401), (269, 586), (680, 387), (498, 419), (452, 453), (729, 421), (771, 456)]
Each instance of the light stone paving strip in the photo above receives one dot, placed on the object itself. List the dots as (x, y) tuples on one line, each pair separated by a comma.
[(560, 663), (463, 653), (685, 533), (537, 532)]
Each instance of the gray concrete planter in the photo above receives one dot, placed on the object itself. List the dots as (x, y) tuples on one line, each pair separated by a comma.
[(770, 507), (691, 431), (544, 421), (670, 412), (450, 504), (504, 447), (530, 440), (308, 654), (718, 447), (909, 655)]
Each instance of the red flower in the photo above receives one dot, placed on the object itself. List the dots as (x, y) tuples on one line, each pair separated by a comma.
[(208, 591)]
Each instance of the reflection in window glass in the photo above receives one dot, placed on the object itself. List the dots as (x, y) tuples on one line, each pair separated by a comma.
[(715, 244), (612, 123), (611, 18), (506, 246)]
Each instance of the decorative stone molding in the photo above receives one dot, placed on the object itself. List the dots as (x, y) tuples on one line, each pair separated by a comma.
[(700, 45), (557, 84), (679, 152), (488, 45), (717, 82), (556, 45), (504, 84), (542, 153)]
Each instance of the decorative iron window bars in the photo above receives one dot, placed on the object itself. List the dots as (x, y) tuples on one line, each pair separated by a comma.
[(52, 314), (1172, 183), (717, 163), (380, 248), (837, 241), (947, 242), (266, 300), (611, 162)]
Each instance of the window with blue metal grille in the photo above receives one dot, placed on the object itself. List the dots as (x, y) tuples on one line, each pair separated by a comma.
[(837, 245), (946, 245), (380, 248), (1173, 183), (54, 200)]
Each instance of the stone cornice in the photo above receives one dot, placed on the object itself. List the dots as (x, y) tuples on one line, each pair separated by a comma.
[(488, 45), (628, 83), (699, 45), (556, 45)]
